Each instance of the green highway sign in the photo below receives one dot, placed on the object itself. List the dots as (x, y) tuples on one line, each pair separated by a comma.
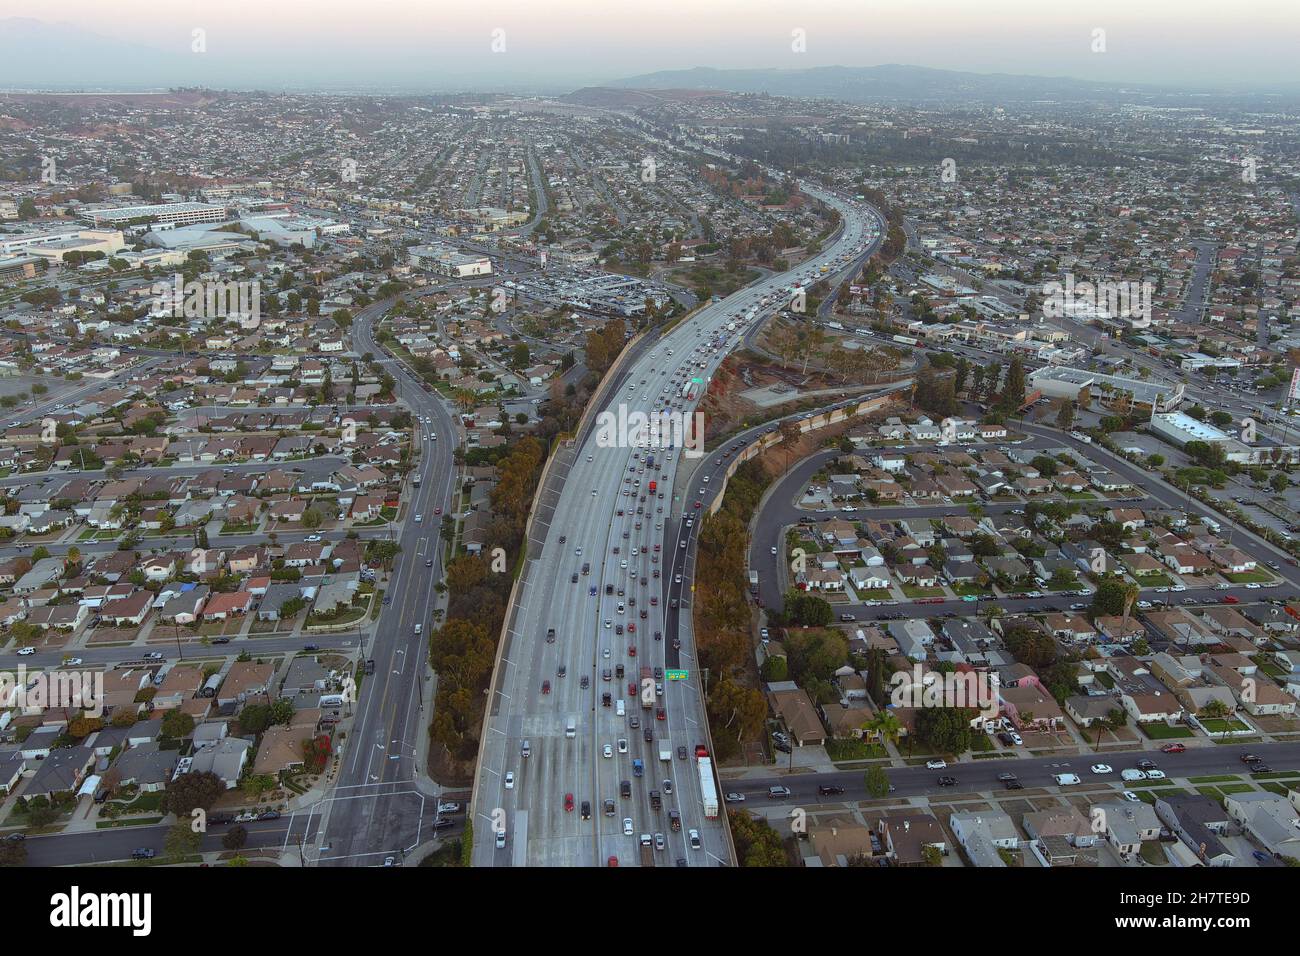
[(677, 675)]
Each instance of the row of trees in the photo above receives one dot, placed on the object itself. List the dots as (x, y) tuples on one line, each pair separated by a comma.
[(463, 650), (722, 613)]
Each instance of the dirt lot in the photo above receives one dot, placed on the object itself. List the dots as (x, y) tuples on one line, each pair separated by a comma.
[(726, 411)]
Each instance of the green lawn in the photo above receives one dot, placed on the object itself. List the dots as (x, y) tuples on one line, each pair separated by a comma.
[(1248, 577), (914, 592), (1154, 580), (1219, 779), (840, 750), (961, 590), (1163, 732), (1222, 725)]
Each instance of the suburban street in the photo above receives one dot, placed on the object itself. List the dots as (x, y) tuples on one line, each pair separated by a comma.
[(376, 808)]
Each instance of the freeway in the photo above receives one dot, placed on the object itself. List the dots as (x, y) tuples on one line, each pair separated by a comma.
[(538, 691), (378, 804)]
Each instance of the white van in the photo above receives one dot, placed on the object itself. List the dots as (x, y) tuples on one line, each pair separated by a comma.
[(419, 628), (572, 729), (619, 708)]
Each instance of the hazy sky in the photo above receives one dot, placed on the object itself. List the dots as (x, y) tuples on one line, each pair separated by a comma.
[(1196, 42)]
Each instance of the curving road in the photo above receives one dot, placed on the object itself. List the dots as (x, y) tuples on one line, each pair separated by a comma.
[(585, 518)]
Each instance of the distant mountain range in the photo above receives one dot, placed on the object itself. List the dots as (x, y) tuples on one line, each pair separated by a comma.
[(907, 84)]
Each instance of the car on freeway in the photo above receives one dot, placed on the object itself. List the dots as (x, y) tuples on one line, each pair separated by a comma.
[(510, 779)]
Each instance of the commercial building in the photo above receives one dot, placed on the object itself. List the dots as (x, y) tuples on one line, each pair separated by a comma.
[(1094, 389), (170, 213), (1179, 429), (448, 261)]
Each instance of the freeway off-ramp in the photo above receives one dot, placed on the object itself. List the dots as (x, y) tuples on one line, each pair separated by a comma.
[(599, 481)]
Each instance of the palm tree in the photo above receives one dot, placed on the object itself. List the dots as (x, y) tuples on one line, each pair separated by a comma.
[(1131, 592), (789, 435), (885, 725)]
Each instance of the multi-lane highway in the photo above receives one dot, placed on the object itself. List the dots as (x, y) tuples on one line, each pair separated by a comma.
[(602, 575)]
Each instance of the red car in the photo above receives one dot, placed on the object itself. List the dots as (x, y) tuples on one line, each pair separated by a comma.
[(631, 650), (612, 861), (1229, 599), (631, 627), (437, 511), (660, 715), (631, 687), (1172, 749), (699, 505), (568, 803), (546, 687)]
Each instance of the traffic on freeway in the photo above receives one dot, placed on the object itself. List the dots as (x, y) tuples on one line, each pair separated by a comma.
[(603, 752)]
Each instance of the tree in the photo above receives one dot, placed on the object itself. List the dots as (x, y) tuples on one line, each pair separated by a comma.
[(1013, 389), (182, 842), (192, 790), (1065, 415), (807, 610), (235, 838), (1108, 599), (885, 724), (1130, 595), (877, 782), (312, 518), (13, 853), (177, 724)]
